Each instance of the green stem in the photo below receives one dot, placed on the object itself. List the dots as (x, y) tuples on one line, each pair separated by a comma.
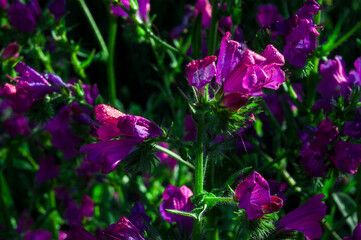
[(199, 177), (358, 195), (110, 64), (333, 233), (346, 36), (149, 32), (173, 155), (213, 30), (221, 200), (95, 28), (44, 59)]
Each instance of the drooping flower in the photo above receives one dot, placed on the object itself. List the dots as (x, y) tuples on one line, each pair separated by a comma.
[(11, 51), (23, 17), (177, 199), (123, 229), (201, 72), (57, 8), (306, 219), (39, 234), (205, 8), (347, 156), (253, 194), (356, 235), (267, 15), (165, 158)]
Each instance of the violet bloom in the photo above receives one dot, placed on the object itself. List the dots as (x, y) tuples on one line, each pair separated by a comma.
[(47, 170), (57, 8), (267, 15), (143, 9), (123, 229), (201, 72), (177, 199), (353, 129), (77, 232), (4, 4), (315, 147), (118, 10), (63, 137), (355, 75), (16, 125), (75, 213), (253, 194), (108, 118), (138, 217), (306, 219), (205, 8), (278, 189), (334, 79), (39, 234), (356, 235), (11, 51), (165, 158), (23, 17), (347, 156)]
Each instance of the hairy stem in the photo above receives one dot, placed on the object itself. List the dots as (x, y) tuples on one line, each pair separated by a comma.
[(110, 63), (173, 155)]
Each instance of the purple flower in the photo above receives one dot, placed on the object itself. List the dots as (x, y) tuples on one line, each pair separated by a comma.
[(225, 23), (347, 156), (300, 42), (63, 137), (353, 129), (87, 206), (334, 79), (17, 99), (201, 72), (356, 235), (254, 72), (57, 8), (118, 11), (177, 199), (267, 15), (253, 194), (311, 7), (355, 75), (108, 154), (108, 118), (91, 93), (47, 170), (143, 6), (165, 158), (16, 125), (39, 234), (315, 147), (77, 232), (278, 189), (24, 222), (306, 218), (123, 229), (11, 51), (75, 213), (205, 8), (235, 101), (23, 17), (138, 217)]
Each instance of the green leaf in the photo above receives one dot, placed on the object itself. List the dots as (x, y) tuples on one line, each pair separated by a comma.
[(186, 214), (346, 205)]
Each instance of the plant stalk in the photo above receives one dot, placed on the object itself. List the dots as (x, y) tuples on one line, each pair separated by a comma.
[(173, 155), (110, 61)]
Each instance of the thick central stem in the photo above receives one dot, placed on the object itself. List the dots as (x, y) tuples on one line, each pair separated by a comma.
[(199, 177)]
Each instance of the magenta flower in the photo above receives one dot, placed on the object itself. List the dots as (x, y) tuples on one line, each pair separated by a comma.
[(253, 194), (4, 4), (11, 51), (178, 199), (39, 234), (356, 235), (353, 129), (118, 10), (334, 79), (123, 229), (108, 118), (205, 8), (267, 15), (347, 156), (16, 125), (17, 99), (201, 72), (165, 158), (57, 8), (306, 219), (23, 17), (143, 9)]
